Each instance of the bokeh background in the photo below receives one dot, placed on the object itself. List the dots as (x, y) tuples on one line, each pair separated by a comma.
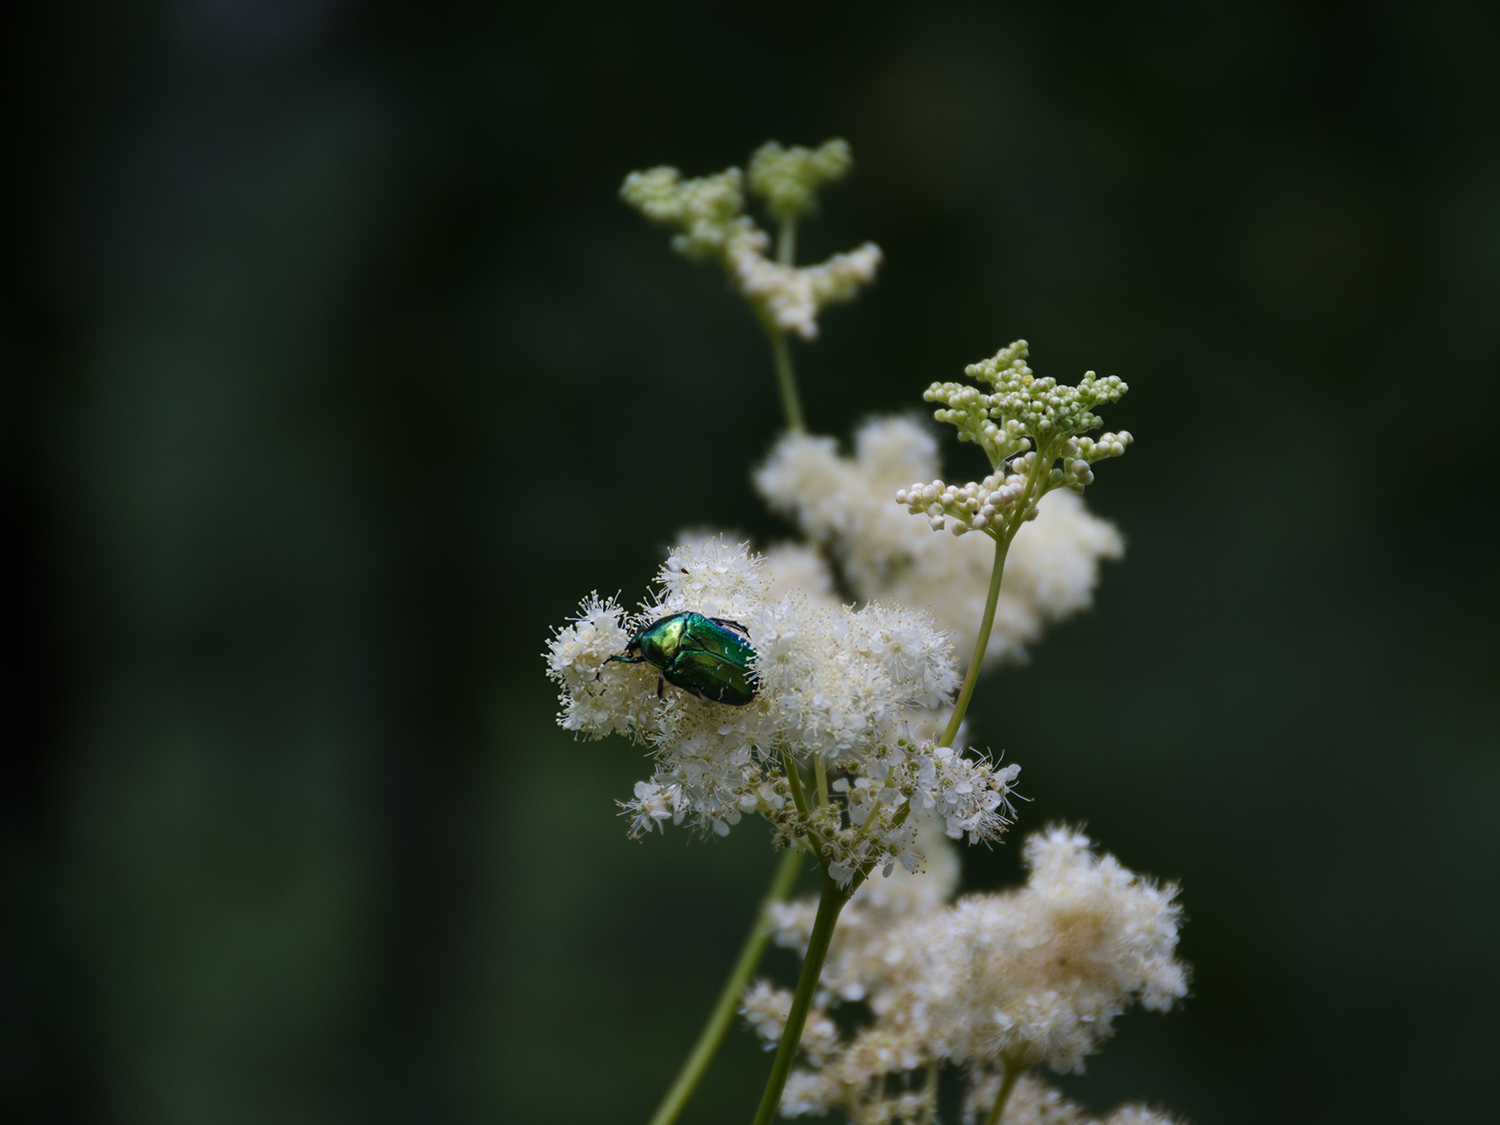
[(336, 373)]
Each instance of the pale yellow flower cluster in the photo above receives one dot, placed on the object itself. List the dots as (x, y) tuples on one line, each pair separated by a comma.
[(989, 983)]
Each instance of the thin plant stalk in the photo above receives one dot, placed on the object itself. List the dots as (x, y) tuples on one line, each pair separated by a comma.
[(929, 1107), (1007, 1084), (781, 351), (830, 903), (713, 1031), (1002, 545), (786, 242), (729, 996), (786, 377)]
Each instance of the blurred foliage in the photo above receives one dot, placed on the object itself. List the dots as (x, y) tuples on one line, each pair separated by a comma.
[(309, 298)]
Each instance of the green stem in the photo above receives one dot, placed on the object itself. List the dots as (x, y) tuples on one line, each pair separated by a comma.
[(794, 780), (829, 906), (729, 997), (1002, 545), (1007, 1084), (786, 242), (822, 772), (786, 378), (781, 352), (929, 1108)]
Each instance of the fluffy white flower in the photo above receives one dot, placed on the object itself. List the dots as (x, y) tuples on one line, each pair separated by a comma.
[(766, 1009), (858, 962), (834, 686), (845, 503), (1039, 974), (1031, 1102), (795, 566), (1036, 975)]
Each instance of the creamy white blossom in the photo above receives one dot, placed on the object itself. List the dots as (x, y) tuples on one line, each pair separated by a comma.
[(845, 504), (796, 566), (766, 1008), (1031, 1102), (1050, 966), (858, 960), (835, 687), (1034, 1102), (1035, 975)]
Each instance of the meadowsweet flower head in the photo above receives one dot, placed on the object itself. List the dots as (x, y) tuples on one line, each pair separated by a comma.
[(845, 503), (1035, 975), (796, 566), (834, 686), (1032, 430), (707, 214), (788, 179), (1043, 971), (1034, 1102), (859, 961)]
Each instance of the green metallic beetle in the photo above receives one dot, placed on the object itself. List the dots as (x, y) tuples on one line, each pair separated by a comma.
[(706, 656)]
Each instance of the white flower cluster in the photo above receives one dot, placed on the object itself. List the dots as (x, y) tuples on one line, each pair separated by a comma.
[(1033, 1102), (766, 1008), (860, 958), (1041, 973), (834, 687), (844, 504), (788, 179), (711, 226), (1014, 980), (1026, 427)]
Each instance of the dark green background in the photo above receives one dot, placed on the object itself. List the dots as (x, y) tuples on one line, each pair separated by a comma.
[(337, 373)]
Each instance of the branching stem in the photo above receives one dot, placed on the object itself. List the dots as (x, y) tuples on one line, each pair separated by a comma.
[(781, 352), (786, 378), (829, 906), (1002, 545), (929, 1107), (729, 996), (1007, 1084)]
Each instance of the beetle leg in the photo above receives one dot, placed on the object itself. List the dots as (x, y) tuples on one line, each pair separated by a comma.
[(661, 686), (623, 660)]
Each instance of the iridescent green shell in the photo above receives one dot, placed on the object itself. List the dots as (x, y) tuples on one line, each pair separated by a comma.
[(706, 656)]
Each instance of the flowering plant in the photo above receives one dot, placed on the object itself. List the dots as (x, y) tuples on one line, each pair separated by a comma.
[(762, 691)]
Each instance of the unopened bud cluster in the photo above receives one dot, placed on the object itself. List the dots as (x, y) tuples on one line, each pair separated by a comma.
[(1031, 429), (707, 213), (1022, 412), (792, 296), (1009, 496), (788, 179)]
